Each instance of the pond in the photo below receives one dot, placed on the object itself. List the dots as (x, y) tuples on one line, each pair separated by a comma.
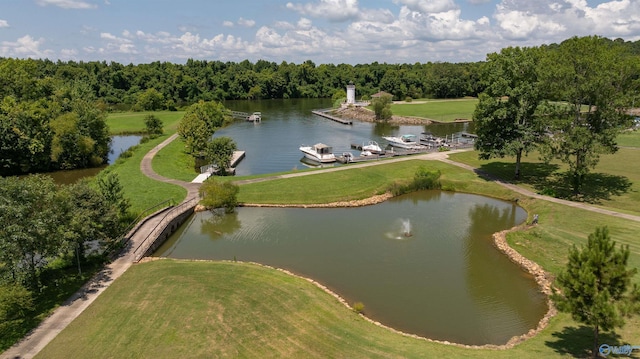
[(273, 144), (119, 144), (422, 263)]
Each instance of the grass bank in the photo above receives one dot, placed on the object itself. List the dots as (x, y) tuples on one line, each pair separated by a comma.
[(121, 123), (438, 110), (222, 309)]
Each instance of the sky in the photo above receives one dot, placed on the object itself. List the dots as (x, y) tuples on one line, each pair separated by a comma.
[(323, 31)]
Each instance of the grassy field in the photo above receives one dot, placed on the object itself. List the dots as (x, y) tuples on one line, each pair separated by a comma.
[(438, 110), (611, 184), (213, 309), (133, 122)]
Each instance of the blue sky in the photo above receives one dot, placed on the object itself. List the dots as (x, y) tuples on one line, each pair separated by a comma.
[(324, 31)]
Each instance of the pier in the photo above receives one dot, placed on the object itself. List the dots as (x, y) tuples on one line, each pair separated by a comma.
[(208, 170), (325, 113), (253, 117)]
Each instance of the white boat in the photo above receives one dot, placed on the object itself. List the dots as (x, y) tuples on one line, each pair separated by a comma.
[(255, 117), (319, 153), (372, 147), (404, 141)]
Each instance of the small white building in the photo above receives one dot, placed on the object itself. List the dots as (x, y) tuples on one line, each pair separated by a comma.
[(351, 94)]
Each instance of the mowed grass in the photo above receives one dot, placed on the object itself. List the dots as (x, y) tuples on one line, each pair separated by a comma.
[(142, 191), (614, 183), (438, 110), (133, 122)]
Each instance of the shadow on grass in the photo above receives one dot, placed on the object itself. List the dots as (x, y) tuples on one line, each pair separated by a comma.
[(578, 342), (546, 180), (595, 188)]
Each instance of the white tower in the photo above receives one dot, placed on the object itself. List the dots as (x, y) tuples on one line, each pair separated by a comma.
[(351, 93)]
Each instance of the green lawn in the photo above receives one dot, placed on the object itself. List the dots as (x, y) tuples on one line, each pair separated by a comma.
[(133, 122), (438, 110)]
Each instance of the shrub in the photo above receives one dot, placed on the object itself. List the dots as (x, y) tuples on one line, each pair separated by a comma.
[(358, 307)]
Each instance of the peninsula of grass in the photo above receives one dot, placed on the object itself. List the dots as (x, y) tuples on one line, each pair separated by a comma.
[(437, 110), (122, 123)]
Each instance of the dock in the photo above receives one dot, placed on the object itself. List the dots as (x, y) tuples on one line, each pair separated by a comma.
[(325, 113), (208, 170), (393, 152)]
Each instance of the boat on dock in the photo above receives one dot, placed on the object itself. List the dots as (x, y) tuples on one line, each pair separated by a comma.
[(319, 153), (404, 141), (431, 141)]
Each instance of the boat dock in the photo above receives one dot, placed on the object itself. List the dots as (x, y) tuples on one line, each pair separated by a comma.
[(253, 117), (325, 113), (392, 152), (208, 170)]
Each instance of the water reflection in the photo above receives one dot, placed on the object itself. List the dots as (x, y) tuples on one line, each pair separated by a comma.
[(445, 281)]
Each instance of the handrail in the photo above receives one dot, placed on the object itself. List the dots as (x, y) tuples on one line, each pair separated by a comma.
[(123, 239), (161, 223)]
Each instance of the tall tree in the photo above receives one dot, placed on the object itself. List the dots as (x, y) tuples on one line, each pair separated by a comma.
[(219, 151), (382, 107), (592, 81), (595, 287), (505, 117)]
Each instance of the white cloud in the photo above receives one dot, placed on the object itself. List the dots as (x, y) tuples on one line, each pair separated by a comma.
[(226, 24), (3, 23), (25, 46), (246, 22), (332, 10), (428, 6), (67, 4)]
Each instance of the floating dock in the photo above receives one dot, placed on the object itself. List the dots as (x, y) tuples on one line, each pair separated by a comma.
[(325, 114)]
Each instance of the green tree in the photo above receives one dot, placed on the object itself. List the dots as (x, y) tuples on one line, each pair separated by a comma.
[(220, 151), (15, 303), (214, 194), (153, 125), (505, 118), (595, 286), (149, 100), (592, 81), (194, 132), (382, 107)]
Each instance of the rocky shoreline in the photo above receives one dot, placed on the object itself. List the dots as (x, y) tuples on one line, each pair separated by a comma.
[(364, 115)]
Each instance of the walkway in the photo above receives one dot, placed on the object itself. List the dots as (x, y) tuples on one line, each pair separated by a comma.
[(72, 307)]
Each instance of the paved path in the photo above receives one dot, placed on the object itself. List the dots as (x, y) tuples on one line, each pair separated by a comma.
[(72, 307)]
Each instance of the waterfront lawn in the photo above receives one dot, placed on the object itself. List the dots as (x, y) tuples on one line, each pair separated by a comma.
[(437, 110), (142, 191), (133, 122), (173, 162)]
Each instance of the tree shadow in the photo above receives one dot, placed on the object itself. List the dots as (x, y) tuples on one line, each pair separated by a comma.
[(595, 188), (578, 341), (531, 173), (546, 180)]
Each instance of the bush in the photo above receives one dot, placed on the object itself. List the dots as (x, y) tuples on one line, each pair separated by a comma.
[(358, 307), (425, 179), (219, 195), (408, 99)]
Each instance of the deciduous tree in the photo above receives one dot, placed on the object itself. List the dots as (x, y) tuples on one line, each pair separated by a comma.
[(592, 80), (505, 118)]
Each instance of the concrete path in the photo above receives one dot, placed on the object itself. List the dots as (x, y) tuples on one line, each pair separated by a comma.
[(72, 307)]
